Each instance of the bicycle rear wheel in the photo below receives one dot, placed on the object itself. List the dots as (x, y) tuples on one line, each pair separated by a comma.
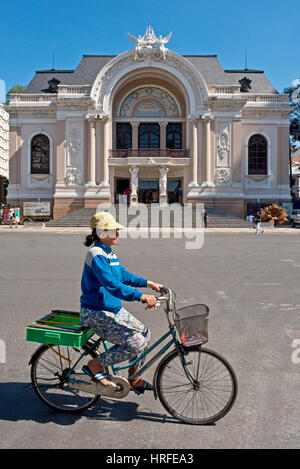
[(50, 365), (208, 398)]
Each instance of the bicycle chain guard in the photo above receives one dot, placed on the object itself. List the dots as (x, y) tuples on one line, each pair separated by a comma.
[(83, 383)]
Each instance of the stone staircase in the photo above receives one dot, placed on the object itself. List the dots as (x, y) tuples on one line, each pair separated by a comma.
[(151, 218)]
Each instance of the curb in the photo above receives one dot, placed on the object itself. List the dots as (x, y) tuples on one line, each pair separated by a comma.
[(86, 230)]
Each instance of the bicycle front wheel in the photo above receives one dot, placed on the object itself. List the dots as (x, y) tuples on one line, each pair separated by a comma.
[(48, 375), (205, 398)]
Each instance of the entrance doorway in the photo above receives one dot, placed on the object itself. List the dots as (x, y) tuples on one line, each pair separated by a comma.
[(174, 187), (122, 184), (148, 191)]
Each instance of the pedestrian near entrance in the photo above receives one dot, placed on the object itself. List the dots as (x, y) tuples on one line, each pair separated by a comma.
[(127, 195), (258, 225), (250, 219), (205, 217), (150, 197), (11, 218), (105, 282), (14, 217), (179, 194), (17, 217)]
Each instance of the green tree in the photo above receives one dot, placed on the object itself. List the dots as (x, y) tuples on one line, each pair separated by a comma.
[(295, 114), (3, 189), (15, 89), (6, 182)]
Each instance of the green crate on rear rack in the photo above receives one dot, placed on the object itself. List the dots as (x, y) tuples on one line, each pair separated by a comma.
[(59, 328)]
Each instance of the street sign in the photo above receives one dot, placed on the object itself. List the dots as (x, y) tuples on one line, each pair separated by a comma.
[(36, 209)]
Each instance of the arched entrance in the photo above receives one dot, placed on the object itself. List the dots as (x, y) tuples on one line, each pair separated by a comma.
[(145, 109)]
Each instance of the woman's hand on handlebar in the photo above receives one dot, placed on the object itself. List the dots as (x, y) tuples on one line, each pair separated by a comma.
[(149, 299), (155, 286)]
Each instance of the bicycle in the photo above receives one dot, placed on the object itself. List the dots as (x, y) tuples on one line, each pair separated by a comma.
[(194, 384)]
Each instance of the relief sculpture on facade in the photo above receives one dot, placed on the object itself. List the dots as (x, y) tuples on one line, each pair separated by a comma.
[(73, 145), (223, 148), (73, 177), (223, 177)]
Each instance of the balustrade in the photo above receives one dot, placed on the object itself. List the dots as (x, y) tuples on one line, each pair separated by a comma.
[(148, 153)]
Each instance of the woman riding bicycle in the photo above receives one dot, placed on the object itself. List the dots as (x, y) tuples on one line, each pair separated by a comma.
[(104, 283)]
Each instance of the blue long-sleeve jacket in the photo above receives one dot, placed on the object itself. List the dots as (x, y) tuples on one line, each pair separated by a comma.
[(105, 282)]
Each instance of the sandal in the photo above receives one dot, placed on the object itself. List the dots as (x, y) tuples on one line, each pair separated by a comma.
[(141, 385), (138, 384), (97, 377)]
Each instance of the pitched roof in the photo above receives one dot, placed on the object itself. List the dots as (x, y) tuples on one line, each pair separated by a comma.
[(40, 80), (208, 65)]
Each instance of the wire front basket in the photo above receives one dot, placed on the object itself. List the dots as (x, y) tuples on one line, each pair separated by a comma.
[(192, 324)]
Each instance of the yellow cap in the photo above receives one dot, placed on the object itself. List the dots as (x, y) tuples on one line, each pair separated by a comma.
[(105, 221)]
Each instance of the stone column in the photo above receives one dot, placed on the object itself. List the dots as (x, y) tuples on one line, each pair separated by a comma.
[(92, 153), (200, 151), (163, 134), (99, 150), (135, 134), (105, 169), (237, 156), (207, 120), (60, 153), (194, 151)]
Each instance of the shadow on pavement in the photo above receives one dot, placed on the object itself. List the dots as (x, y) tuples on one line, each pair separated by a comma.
[(18, 404), (124, 411)]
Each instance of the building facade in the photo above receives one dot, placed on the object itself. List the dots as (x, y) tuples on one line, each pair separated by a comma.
[(149, 118), (4, 149)]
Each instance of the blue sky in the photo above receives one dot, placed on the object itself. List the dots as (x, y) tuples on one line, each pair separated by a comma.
[(30, 30)]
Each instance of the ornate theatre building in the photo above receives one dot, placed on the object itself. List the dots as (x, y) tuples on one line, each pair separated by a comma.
[(149, 119)]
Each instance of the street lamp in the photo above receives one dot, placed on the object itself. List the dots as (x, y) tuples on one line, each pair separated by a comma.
[(291, 173)]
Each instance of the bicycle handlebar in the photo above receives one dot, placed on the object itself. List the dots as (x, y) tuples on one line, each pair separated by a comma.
[(169, 298), (168, 292)]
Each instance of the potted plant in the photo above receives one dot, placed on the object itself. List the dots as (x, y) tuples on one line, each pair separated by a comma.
[(273, 215)]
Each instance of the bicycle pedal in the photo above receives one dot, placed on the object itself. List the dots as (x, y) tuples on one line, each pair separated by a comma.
[(118, 388), (137, 392)]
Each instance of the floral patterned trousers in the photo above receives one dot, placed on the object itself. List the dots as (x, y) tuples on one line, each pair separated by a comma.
[(128, 334)]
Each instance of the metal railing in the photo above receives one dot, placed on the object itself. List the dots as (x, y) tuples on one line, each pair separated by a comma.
[(148, 153)]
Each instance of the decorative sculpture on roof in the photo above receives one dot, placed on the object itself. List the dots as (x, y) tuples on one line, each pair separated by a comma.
[(150, 46), (53, 86), (245, 84)]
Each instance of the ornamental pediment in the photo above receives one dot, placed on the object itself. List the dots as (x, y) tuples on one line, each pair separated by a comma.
[(149, 45)]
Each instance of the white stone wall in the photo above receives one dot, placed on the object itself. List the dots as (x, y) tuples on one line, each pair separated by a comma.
[(4, 142)]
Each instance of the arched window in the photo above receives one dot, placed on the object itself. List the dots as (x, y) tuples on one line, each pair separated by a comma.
[(257, 155), (149, 136), (40, 154), (124, 135), (174, 136)]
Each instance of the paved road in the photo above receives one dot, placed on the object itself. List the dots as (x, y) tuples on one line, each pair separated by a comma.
[(251, 285)]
